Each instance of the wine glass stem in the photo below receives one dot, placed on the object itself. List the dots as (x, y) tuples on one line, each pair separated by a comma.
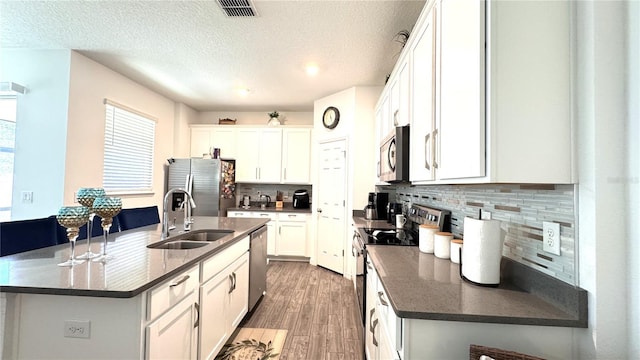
[(73, 249), (104, 249)]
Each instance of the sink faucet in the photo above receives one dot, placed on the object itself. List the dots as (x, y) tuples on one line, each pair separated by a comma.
[(165, 211)]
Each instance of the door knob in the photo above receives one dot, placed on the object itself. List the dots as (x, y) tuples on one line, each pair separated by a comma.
[(319, 210)]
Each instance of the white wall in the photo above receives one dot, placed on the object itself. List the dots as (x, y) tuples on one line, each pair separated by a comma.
[(181, 134), (601, 122), (255, 117), (41, 128), (90, 84), (633, 157)]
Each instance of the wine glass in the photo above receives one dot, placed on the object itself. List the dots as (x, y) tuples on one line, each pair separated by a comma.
[(106, 208), (85, 197), (72, 217)]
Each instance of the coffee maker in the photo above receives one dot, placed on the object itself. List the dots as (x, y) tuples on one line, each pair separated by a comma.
[(393, 209), (377, 206)]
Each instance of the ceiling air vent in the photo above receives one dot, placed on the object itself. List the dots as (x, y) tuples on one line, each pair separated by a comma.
[(234, 8)]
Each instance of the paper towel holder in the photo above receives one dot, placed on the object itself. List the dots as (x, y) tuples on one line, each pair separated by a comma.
[(471, 281)]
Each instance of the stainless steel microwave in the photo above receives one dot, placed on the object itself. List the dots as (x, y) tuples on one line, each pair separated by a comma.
[(394, 156)]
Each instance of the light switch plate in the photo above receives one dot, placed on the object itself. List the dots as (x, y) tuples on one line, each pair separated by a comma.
[(551, 237)]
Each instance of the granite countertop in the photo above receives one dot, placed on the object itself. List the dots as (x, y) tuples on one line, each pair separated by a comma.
[(421, 286), (134, 268), (287, 207)]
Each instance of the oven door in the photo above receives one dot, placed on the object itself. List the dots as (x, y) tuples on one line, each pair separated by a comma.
[(358, 252)]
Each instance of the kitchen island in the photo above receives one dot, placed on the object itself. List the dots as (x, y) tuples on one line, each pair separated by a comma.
[(144, 301)]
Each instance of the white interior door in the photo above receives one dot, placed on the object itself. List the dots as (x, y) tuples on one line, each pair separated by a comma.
[(332, 190)]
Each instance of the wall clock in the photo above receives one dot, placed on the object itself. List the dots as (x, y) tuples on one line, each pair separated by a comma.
[(331, 117)]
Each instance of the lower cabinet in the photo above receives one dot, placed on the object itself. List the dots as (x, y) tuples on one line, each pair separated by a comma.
[(286, 232), (223, 304), (174, 335)]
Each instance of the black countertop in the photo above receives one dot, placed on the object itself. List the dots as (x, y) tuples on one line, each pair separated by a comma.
[(134, 268)]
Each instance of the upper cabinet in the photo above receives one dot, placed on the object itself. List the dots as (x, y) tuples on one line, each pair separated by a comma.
[(489, 92), (270, 155)]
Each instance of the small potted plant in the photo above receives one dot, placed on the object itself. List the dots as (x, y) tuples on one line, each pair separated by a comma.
[(273, 119)]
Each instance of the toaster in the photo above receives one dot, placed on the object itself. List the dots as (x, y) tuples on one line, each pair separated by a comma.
[(301, 199)]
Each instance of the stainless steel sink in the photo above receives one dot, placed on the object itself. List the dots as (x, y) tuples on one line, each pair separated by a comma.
[(204, 235), (178, 245)]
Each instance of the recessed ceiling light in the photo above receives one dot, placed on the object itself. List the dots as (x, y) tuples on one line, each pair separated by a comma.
[(312, 69)]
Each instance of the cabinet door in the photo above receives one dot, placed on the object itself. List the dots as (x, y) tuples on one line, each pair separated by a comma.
[(225, 140), (371, 321), (247, 155), (200, 142), (292, 238), (401, 99), (296, 156), (239, 292), (423, 102), (461, 130), (214, 304), (270, 155), (174, 334)]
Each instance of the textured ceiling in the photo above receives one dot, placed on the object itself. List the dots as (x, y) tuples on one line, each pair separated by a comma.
[(192, 53)]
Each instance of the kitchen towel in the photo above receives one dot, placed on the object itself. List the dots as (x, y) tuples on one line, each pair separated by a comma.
[(482, 251), (425, 235)]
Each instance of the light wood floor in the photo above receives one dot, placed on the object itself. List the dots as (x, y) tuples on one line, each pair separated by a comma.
[(318, 308)]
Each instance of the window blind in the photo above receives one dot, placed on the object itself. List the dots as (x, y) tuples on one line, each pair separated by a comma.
[(129, 140)]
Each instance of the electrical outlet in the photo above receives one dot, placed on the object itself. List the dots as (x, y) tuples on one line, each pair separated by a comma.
[(77, 328), (551, 237), (27, 197)]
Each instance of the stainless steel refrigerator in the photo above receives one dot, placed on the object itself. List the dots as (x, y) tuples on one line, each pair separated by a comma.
[(211, 182)]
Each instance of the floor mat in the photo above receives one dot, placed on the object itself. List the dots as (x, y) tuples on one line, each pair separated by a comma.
[(254, 344)]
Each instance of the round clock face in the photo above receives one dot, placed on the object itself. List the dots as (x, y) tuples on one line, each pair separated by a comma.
[(331, 117)]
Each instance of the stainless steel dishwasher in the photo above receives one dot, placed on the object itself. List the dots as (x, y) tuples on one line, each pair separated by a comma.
[(257, 266)]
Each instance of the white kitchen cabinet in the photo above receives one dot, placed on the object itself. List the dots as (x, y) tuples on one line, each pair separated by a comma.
[(372, 330), (296, 156), (287, 233), (224, 296), (460, 132), (400, 98), (292, 235), (502, 96), (259, 156), (422, 56), (205, 138), (174, 334)]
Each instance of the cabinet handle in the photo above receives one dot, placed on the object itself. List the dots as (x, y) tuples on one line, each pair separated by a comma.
[(264, 214), (426, 151), (395, 117), (235, 281), (230, 285), (285, 173), (371, 327), (279, 230), (292, 215), (369, 265), (257, 174), (183, 279), (435, 163), (375, 324), (195, 325), (378, 169), (382, 301)]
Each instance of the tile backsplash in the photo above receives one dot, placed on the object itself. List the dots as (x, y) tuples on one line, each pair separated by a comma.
[(520, 207), (254, 190)]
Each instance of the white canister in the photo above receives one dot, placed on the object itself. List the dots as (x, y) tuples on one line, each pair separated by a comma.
[(442, 244), (456, 245), (426, 233)]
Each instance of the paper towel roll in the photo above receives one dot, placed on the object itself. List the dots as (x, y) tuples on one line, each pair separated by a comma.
[(425, 234), (482, 251), (442, 244)]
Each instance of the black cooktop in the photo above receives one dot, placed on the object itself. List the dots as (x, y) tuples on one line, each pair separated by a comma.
[(399, 237)]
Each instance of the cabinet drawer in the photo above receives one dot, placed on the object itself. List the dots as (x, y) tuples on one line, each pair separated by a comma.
[(292, 217), (218, 262), (169, 293), (263, 215)]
